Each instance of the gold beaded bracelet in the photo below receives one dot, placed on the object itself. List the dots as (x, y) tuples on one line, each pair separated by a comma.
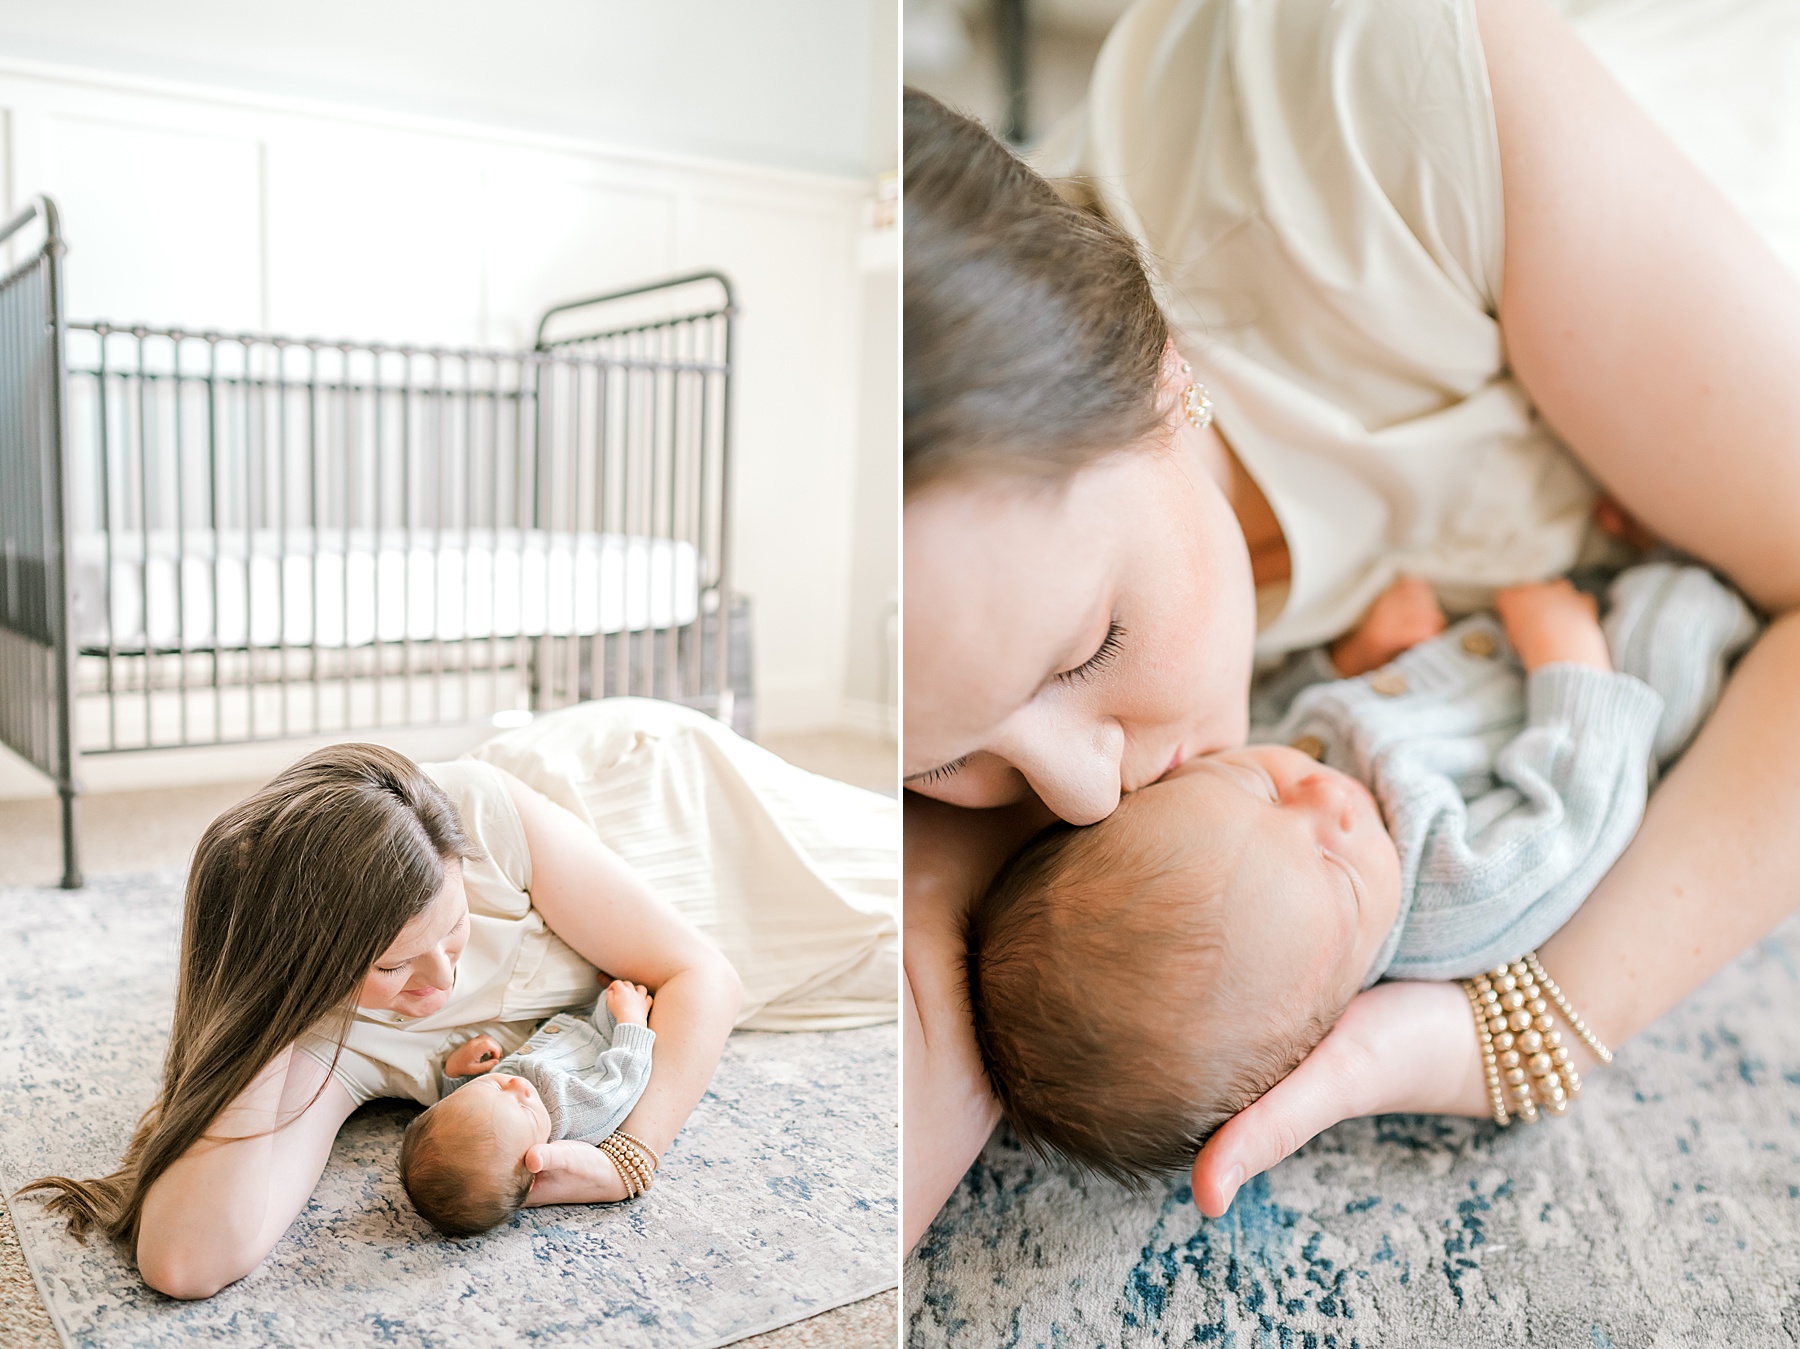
[(635, 1160), (1522, 1054)]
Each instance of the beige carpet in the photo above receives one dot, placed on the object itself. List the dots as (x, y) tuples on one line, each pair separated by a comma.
[(151, 830)]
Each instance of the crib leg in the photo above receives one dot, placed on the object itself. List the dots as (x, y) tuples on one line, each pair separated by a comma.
[(71, 879)]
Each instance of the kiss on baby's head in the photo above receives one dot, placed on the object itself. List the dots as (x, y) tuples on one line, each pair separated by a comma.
[(1137, 982)]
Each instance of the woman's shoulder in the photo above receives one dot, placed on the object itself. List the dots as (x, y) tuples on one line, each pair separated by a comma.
[(500, 877)]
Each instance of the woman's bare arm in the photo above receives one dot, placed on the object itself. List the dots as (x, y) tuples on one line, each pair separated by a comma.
[(1660, 337), (605, 911), (947, 1105), (221, 1206)]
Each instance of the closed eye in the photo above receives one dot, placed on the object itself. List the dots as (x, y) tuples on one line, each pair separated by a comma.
[(1256, 782), (1345, 870), (1104, 655), (939, 773)]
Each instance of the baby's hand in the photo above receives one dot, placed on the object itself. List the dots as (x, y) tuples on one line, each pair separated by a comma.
[(629, 1003), (1552, 621), (1403, 615), (473, 1057)]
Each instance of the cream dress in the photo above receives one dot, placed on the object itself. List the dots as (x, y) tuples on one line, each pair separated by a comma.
[(1317, 188), (1316, 184), (794, 876)]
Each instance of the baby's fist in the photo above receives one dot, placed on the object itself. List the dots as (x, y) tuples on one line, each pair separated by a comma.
[(629, 1003), (473, 1057), (1552, 621)]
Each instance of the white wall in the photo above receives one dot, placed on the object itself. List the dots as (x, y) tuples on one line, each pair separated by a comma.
[(780, 82), (203, 207)]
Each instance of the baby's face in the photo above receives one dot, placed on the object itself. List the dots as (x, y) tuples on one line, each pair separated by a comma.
[(500, 1117), (1315, 871)]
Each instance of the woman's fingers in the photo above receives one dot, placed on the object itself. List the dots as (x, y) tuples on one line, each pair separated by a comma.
[(1398, 1047), (1329, 1085)]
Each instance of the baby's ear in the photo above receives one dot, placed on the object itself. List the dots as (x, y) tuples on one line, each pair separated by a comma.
[(536, 1162)]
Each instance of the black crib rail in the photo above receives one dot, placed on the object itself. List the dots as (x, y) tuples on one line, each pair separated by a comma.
[(214, 538)]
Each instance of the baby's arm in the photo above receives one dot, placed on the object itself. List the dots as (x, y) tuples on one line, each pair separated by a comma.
[(1551, 623), (593, 1104), (629, 1003), (1406, 614), (571, 1170), (473, 1057), (1502, 872), (1403, 615)]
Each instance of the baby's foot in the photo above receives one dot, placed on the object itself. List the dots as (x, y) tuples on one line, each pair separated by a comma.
[(629, 1003)]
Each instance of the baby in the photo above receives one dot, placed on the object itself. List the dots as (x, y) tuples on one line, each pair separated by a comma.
[(463, 1160), (1442, 813)]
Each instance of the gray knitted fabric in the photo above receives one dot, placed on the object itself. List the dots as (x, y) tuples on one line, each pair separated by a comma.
[(1676, 628), (1509, 797), (590, 1071)]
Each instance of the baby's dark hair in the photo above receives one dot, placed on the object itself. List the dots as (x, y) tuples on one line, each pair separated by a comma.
[(1111, 1021), (435, 1170)]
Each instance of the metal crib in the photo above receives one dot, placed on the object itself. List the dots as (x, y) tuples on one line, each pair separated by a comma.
[(214, 538)]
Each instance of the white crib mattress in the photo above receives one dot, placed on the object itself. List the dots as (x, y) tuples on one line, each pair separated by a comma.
[(269, 587)]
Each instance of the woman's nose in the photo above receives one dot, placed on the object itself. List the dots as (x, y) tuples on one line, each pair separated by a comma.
[(437, 968), (1071, 760)]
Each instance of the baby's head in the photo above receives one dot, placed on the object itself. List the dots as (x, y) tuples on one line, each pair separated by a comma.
[(463, 1160), (1137, 982)]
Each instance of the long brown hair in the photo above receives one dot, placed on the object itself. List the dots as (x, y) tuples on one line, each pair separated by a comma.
[(1034, 341), (292, 895)]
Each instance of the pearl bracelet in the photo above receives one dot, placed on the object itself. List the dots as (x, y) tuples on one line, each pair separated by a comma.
[(1522, 1054), (635, 1160)]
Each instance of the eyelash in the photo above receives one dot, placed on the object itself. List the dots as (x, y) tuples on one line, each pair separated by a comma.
[(1101, 659), (460, 923), (942, 771), (1093, 665)]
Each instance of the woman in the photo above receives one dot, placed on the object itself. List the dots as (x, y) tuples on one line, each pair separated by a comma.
[(359, 916), (1392, 237)]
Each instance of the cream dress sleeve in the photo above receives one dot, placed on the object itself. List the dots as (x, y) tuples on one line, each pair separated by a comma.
[(513, 972), (1317, 186)]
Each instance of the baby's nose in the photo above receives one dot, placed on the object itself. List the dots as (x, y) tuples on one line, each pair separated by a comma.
[(1334, 796)]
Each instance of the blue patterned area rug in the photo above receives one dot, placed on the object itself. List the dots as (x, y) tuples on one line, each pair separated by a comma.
[(777, 1201), (1664, 1210)]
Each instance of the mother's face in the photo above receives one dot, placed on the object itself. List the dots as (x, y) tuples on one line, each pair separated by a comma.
[(1075, 641), (416, 973)]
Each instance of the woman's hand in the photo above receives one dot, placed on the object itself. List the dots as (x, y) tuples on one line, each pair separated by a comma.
[(570, 1172), (1398, 1047)]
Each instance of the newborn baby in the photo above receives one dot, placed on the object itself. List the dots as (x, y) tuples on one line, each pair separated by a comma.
[(1439, 815), (463, 1160)]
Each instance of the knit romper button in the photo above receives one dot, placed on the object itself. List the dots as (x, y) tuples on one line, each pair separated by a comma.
[(1478, 643), (1309, 745), (1388, 683)]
